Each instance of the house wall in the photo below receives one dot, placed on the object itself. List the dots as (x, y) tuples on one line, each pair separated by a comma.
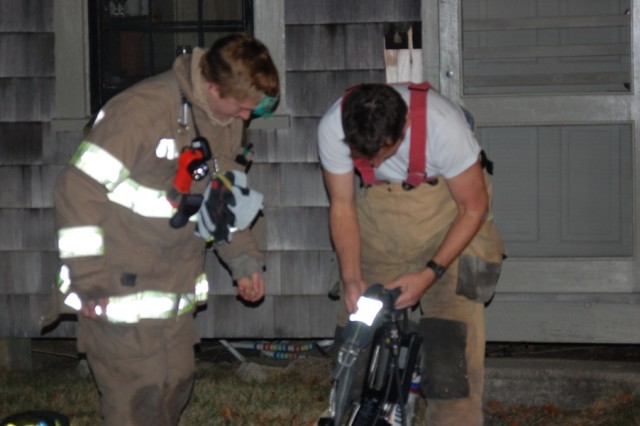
[(322, 48), (29, 163)]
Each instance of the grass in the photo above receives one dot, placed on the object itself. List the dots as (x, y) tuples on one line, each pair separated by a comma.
[(292, 393)]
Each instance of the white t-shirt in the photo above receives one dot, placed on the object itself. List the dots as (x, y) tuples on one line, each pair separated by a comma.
[(451, 145)]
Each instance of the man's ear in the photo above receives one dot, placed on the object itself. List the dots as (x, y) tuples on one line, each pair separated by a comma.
[(213, 90), (407, 122)]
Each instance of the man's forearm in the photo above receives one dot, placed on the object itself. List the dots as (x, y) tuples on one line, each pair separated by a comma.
[(345, 236), (458, 237)]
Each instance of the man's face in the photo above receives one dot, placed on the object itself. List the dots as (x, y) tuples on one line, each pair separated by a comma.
[(229, 107), (386, 152)]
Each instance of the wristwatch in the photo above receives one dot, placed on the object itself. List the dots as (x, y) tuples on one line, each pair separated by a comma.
[(438, 269)]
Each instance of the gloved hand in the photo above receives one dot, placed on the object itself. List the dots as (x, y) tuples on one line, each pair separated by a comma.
[(214, 217), (248, 202), (228, 206)]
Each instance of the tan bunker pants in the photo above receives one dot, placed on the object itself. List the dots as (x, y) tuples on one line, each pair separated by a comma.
[(144, 372), (400, 231)]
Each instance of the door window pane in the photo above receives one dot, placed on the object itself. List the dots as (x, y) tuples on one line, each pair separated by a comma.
[(537, 46), (134, 39), (563, 191)]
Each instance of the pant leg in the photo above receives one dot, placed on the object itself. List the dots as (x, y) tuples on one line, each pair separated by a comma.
[(453, 355), (400, 231), (144, 373)]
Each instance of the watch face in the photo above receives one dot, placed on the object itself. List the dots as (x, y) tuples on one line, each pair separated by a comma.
[(439, 270)]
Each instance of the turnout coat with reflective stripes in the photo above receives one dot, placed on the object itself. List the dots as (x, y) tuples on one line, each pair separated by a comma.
[(112, 214)]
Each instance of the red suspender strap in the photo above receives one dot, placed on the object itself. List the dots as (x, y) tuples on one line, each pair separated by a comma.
[(363, 166), (417, 148)]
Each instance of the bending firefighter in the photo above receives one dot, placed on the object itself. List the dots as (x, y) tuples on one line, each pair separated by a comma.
[(420, 222), (154, 183)]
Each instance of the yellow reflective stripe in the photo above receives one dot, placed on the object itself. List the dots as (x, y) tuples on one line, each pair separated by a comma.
[(100, 165), (186, 304), (148, 304), (202, 288), (144, 305), (142, 200), (73, 301), (111, 172), (81, 241), (64, 279)]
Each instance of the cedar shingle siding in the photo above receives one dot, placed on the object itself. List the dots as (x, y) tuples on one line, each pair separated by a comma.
[(28, 260)]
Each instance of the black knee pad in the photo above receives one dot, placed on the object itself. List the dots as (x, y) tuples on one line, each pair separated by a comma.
[(477, 278), (445, 374)]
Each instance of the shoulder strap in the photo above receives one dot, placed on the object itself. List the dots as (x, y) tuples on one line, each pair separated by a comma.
[(417, 148)]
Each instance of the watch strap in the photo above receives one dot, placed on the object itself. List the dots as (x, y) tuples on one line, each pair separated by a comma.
[(438, 269)]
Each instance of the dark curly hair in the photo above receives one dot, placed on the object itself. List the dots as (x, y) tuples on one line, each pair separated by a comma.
[(373, 116)]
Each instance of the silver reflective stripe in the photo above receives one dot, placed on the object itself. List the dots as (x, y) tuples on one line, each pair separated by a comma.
[(100, 165), (202, 288), (111, 172), (73, 301), (143, 305), (142, 200), (64, 279), (149, 304), (167, 149), (81, 241)]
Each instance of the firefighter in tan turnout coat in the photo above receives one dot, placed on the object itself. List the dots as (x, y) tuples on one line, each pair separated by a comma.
[(132, 209)]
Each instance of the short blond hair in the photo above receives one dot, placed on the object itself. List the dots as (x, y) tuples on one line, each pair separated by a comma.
[(242, 68)]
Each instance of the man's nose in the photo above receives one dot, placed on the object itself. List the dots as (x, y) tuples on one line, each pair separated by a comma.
[(376, 161), (245, 114)]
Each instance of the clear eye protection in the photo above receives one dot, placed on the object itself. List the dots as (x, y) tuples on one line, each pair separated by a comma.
[(266, 106)]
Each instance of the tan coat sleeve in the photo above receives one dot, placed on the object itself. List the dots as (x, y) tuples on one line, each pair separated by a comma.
[(81, 201)]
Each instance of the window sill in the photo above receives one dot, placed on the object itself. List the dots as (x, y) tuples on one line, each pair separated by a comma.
[(69, 124), (275, 122), (282, 121)]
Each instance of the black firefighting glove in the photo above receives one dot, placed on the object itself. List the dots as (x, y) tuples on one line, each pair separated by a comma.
[(228, 206), (215, 219)]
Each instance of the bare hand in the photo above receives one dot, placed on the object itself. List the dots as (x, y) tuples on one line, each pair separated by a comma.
[(251, 288), (412, 286)]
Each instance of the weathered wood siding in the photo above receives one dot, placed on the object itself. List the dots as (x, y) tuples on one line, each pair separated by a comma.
[(28, 165)]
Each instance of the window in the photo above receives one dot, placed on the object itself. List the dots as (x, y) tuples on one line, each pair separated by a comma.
[(524, 46), (134, 39)]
